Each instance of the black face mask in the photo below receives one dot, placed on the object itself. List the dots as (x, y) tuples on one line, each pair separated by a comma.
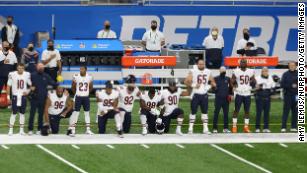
[(6, 49), (9, 22), (130, 88), (153, 27), (246, 36), (265, 77), (107, 27), (223, 74), (50, 48), (31, 49)]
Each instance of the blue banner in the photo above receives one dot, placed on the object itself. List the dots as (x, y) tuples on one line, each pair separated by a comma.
[(87, 45), (273, 28)]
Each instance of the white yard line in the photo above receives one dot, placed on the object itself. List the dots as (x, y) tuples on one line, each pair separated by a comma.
[(249, 145), (240, 158), (180, 146), (145, 146), (61, 159), (110, 146), (75, 146), (283, 145), (5, 147)]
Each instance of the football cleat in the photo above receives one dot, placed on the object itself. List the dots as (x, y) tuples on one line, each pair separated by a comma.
[(30, 133), (246, 129), (283, 130), (38, 132), (120, 133), (293, 130), (257, 131), (226, 131), (266, 131), (68, 132), (214, 131), (207, 132), (89, 132), (21, 132), (178, 132), (10, 132), (144, 131), (234, 129)]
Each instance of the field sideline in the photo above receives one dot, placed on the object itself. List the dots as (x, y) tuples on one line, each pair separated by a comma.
[(167, 153)]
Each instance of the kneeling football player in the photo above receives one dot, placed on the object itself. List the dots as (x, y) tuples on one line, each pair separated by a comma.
[(107, 101), (58, 105), (150, 102), (171, 97), (127, 95)]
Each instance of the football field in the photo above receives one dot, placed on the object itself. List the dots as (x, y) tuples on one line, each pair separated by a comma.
[(136, 153)]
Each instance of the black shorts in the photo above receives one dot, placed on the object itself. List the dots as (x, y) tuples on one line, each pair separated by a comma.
[(82, 101), (174, 115), (246, 100), (199, 100)]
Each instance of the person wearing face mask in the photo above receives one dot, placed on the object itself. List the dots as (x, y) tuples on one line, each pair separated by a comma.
[(106, 32), (289, 85), (214, 44), (222, 99), (8, 62), (40, 82), (264, 89), (10, 33), (246, 43), (153, 39), (30, 58), (51, 58)]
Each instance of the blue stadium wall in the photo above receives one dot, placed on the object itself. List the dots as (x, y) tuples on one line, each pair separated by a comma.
[(274, 28)]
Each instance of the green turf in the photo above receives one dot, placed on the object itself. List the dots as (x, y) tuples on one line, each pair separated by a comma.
[(156, 159), (275, 118)]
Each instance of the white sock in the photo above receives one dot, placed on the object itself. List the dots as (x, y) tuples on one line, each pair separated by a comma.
[(179, 123), (21, 120), (246, 121), (143, 120), (118, 121), (204, 118), (234, 121), (12, 120), (87, 120), (73, 120), (122, 116), (192, 120)]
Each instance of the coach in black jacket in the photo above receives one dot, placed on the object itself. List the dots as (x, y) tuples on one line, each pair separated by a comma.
[(10, 33), (222, 99), (289, 85)]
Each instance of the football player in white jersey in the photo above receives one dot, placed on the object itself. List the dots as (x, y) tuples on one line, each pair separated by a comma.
[(242, 81), (18, 83), (82, 85), (107, 101), (150, 103), (200, 80), (265, 87), (127, 96), (58, 105), (171, 97)]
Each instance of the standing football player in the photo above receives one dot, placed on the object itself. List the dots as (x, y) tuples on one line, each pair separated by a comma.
[(242, 81), (171, 97), (19, 83), (150, 103), (58, 106), (107, 101), (127, 95), (82, 85), (201, 81)]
